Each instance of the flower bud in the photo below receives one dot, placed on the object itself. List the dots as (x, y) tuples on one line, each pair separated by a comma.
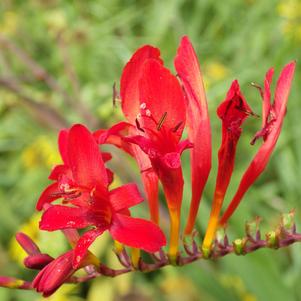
[(37, 261)]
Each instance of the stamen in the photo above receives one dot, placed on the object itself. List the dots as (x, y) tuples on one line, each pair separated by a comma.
[(177, 126), (251, 113), (148, 113), (257, 86), (115, 95), (138, 116), (139, 126), (161, 121)]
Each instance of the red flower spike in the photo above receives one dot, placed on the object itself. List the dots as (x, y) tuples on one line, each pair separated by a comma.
[(199, 131), (270, 132), (85, 187), (232, 111)]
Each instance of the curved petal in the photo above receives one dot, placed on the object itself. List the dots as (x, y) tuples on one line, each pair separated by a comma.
[(198, 121), (50, 194), (162, 99), (114, 136), (137, 233), (131, 74), (283, 87), (83, 244), (125, 196), (59, 170), (62, 217), (85, 158), (146, 145)]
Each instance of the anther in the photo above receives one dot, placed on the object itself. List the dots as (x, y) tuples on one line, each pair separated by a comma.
[(161, 121), (116, 96), (177, 126), (257, 86), (148, 113), (139, 126)]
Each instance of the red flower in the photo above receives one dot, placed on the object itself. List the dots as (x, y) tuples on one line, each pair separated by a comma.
[(160, 121), (153, 103), (129, 93), (232, 111), (199, 132), (83, 184), (272, 117), (53, 275)]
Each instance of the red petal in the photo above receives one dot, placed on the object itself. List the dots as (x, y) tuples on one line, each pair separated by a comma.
[(85, 158), (262, 156), (266, 105), (62, 217), (137, 233), (83, 244), (125, 196), (162, 94), (129, 91), (50, 194), (150, 183), (283, 88), (172, 160), (114, 136), (199, 131), (63, 144), (145, 144), (59, 170)]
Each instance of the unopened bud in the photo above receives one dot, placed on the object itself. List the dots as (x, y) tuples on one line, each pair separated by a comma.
[(272, 239), (11, 282), (37, 261), (27, 244), (238, 245)]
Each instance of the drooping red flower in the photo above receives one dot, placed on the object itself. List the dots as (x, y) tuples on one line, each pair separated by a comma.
[(232, 111), (83, 185), (198, 122), (272, 119)]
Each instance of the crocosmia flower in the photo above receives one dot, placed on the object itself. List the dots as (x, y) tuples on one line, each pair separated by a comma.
[(272, 119), (83, 185), (160, 120), (233, 111)]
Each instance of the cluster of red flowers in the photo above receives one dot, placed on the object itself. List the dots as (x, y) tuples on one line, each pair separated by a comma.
[(157, 106)]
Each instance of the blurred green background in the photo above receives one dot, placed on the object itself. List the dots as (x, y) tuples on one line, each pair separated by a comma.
[(83, 45)]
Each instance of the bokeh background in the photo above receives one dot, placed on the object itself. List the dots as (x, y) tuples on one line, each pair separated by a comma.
[(58, 62)]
